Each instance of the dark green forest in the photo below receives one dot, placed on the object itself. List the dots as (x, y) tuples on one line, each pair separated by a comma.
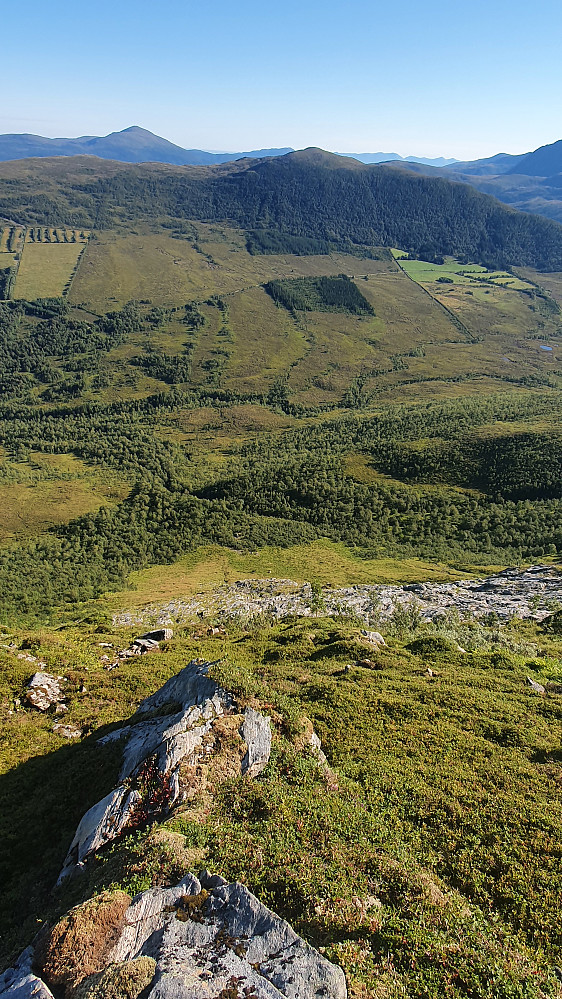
[(311, 195), (322, 294)]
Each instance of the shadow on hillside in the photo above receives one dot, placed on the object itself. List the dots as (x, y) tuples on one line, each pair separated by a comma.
[(544, 756), (41, 802)]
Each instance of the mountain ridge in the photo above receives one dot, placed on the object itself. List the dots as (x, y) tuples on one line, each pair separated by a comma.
[(309, 193), (135, 144)]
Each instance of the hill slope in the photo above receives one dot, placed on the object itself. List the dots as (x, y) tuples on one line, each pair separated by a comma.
[(308, 193), (543, 162)]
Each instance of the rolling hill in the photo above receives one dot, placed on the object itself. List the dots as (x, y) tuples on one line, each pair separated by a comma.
[(308, 193)]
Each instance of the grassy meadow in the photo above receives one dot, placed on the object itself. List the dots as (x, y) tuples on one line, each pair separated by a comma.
[(47, 490), (46, 268), (431, 325), (424, 861)]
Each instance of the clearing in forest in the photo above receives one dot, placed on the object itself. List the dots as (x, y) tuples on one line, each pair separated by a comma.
[(46, 269)]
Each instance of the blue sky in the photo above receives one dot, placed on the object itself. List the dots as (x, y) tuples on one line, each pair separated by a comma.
[(456, 78)]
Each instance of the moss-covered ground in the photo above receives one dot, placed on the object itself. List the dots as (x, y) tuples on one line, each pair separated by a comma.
[(426, 860)]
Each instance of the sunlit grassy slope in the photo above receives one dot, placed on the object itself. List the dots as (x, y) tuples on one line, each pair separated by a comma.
[(425, 861), (51, 489), (432, 324)]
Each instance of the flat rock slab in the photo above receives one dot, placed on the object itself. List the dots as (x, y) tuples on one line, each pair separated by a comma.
[(205, 942)]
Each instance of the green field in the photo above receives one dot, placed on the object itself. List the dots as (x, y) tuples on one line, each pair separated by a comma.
[(45, 269), (472, 275)]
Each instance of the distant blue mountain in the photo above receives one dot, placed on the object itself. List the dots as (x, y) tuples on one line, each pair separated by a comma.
[(132, 145), (440, 161)]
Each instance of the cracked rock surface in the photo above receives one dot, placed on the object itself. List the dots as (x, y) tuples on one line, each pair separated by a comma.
[(43, 691), (525, 593), (205, 943), (168, 728)]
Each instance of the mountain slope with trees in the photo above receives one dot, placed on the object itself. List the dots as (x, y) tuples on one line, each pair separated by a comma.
[(309, 193)]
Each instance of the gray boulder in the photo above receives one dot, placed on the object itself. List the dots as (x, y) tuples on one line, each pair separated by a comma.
[(20, 982), (67, 731), (537, 687), (374, 637), (43, 690), (207, 941), (204, 943), (160, 635)]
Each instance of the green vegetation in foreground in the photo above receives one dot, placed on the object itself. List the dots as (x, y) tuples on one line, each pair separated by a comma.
[(426, 862)]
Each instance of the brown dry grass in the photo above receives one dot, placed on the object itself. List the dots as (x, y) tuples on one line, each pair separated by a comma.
[(80, 942)]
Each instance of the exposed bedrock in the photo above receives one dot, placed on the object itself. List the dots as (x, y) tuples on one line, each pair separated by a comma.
[(169, 729), (185, 942), (523, 593)]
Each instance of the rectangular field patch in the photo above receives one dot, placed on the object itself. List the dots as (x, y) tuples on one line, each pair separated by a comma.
[(46, 268)]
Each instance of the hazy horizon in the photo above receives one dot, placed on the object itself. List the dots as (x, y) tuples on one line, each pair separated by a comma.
[(442, 80)]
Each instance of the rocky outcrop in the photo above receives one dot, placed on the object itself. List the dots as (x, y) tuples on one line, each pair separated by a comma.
[(150, 642), (43, 691), (185, 942), (256, 733), (527, 593), (169, 729), (20, 982), (537, 687)]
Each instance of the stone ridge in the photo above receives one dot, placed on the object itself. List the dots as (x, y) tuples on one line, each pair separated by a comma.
[(204, 942), (524, 593), (168, 728)]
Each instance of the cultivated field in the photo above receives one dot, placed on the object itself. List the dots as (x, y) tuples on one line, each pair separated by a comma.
[(46, 268)]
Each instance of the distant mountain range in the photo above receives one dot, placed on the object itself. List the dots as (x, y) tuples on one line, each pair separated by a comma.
[(531, 181), (440, 161), (138, 145), (132, 145)]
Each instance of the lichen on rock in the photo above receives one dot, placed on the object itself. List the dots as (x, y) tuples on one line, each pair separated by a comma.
[(119, 981)]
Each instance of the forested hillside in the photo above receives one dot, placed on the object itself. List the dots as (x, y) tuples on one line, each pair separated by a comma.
[(309, 194)]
